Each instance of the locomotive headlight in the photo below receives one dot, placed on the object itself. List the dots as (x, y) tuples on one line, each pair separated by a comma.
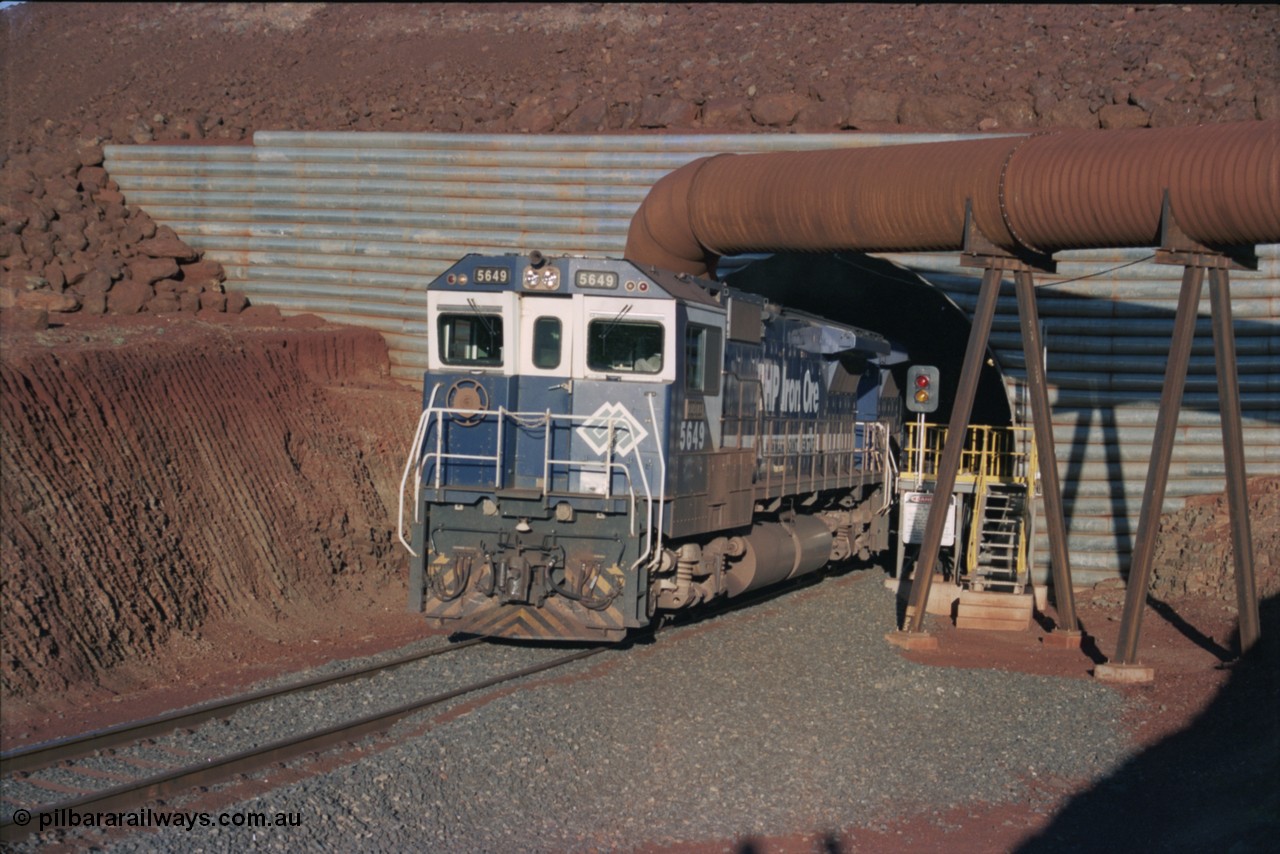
[(546, 278)]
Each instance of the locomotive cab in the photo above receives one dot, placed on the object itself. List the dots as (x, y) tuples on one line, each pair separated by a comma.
[(599, 441)]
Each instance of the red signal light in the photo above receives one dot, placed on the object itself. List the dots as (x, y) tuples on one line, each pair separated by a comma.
[(921, 378)]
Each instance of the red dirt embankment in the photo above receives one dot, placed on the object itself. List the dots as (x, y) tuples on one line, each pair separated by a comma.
[(160, 477)]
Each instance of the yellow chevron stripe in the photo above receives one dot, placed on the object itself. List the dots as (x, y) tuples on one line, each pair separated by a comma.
[(558, 621)]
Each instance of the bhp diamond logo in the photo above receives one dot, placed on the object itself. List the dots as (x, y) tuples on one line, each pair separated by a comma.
[(627, 431)]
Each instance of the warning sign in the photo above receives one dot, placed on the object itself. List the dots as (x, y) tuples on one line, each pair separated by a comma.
[(915, 514)]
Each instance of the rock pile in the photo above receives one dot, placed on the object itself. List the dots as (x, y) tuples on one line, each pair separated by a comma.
[(69, 242), (1194, 555)]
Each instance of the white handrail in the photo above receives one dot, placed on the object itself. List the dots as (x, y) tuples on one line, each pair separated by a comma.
[(648, 512), (655, 545), (608, 455), (497, 448), (439, 455), (529, 420), (891, 468), (546, 451), (418, 435), (875, 433)]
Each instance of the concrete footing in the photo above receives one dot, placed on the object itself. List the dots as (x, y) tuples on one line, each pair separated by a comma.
[(943, 594), (912, 640), (1041, 595), (1129, 674), (1060, 639)]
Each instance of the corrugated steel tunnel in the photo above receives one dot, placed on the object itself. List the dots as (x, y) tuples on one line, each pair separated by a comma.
[(893, 301), (352, 226)]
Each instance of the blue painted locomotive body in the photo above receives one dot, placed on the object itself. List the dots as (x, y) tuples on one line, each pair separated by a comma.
[(599, 442)]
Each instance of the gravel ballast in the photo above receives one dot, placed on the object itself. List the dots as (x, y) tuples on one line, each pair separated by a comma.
[(793, 715)]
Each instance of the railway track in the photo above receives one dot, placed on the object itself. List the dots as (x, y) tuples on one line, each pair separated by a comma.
[(153, 770), (137, 767)]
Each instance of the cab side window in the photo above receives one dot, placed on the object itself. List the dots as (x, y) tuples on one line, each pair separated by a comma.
[(470, 339), (702, 355), (546, 342), (630, 347)]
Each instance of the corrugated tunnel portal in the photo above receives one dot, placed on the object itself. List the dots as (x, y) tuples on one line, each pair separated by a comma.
[(876, 294), (352, 226)]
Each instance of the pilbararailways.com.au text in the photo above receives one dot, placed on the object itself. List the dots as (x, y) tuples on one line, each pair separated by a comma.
[(69, 818)]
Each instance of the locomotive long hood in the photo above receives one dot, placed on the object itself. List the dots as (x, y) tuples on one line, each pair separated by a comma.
[(1040, 193)]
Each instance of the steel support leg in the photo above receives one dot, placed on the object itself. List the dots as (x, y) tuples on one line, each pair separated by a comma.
[(1042, 422), (1224, 348), (1175, 378), (949, 464)]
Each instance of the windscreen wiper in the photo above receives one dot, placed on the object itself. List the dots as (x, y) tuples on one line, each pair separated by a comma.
[(604, 333), (484, 318)]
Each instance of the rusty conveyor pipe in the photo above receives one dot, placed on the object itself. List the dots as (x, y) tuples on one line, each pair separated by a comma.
[(1039, 194)]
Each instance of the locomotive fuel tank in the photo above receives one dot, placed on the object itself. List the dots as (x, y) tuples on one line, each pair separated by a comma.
[(777, 551)]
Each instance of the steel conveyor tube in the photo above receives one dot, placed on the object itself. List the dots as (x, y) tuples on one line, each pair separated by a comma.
[(1042, 193)]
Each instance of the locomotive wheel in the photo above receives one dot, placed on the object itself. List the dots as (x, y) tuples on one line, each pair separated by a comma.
[(470, 397)]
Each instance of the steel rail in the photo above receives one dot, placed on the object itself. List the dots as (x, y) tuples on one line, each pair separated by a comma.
[(216, 770), (37, 756)]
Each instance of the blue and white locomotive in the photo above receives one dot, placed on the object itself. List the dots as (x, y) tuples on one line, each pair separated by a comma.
[(599, 442)]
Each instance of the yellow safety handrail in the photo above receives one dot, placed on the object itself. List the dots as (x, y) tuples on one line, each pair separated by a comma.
[(991, 455)]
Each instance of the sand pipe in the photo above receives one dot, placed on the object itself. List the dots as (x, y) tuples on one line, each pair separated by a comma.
[(1040, 194)]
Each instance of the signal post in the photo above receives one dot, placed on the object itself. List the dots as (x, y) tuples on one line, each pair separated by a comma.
[(995, 262)]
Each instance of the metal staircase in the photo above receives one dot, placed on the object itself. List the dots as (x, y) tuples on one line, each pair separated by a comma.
[(990, 583), (997, 547)]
